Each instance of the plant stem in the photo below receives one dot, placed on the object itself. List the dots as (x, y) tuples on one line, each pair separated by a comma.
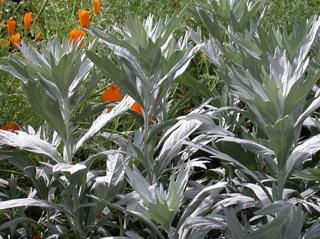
[(41, 10), (41, 22), (65, 111), (73, 7), (121, 227), (146, 117), (145, 146), (16, 9)]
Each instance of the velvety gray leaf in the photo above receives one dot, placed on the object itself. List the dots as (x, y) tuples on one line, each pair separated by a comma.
[(198, 199), (72, 169), (301, 153), (28, 142), (105, 118), (172, 145)]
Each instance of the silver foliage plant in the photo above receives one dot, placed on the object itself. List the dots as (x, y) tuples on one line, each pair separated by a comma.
[(160, 181), (272, 74)]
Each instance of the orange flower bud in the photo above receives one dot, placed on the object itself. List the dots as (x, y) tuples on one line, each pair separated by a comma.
[(76, 35), (11, 126), (11, 26), (38, 36), (27, 20), (112, 93), (137, 108), (96, 7), (84, 18), (15, 39)]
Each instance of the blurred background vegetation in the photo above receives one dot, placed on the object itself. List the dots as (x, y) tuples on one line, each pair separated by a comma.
[(58, 17), (285, 12)]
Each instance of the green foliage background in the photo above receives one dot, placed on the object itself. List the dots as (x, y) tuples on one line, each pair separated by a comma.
[(288, 11), (271, 132), (59, 17)]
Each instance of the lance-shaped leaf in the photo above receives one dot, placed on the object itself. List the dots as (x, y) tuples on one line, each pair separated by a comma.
[(161, 205), (194, 204), (31, 202), (205, 224), (287, 225), (311, 108), (312, 174), (105, 118), (136, 214), (313, 232), (115, 169), (51, 78), (173, 144), (23, 202), (72, 169), (150, 60), (301, 153), (12, 224), (28, 142), (199, 206), (227, 158)]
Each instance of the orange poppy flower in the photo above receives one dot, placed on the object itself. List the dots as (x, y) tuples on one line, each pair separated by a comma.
[(96, 7), (11, 26), (76, 35), (84, 18), (38, 37), (112, 93), (27, 20), (137, 108), (15, 39), (11, 126)]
